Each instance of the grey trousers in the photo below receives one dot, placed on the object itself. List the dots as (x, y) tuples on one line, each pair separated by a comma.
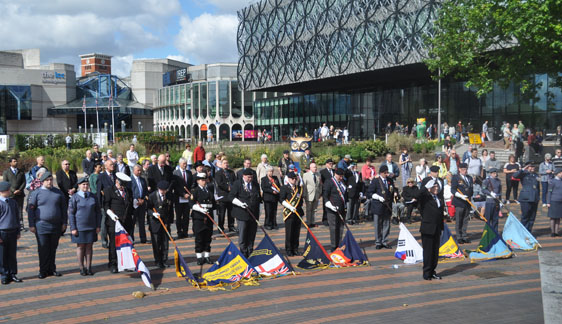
[(103, 229), (353, 209), (382, 228), (310, 210), (336, 228), (461, 220)]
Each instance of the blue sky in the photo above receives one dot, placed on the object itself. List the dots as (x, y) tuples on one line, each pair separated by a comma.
[(193, 31)]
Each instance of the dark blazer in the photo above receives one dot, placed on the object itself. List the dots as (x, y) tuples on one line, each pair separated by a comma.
[(203, 197), (104, 181), (354, 187), (267, 189), (154, 176), (254, 177), (17, 181), (96, 156), (529, 186), (88, 166), (377, 187), (122, 207), (163, 207), (224, 180), (65, 183), (287, 194), (180, 184), (457, 182), (330, 193), (252, 198), (409, 193), (432, 216), (141, 192), (325, 175)]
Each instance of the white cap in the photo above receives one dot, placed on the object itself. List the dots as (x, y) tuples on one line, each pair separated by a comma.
[(123, 177)]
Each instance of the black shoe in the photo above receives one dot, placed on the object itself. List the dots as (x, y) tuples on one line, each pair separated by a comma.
[(89, 272), (16, 279), (207, 260), (56, 274), (114, 270), (435, 276), (268, 228), (325, 224), (426, 278), (6, 281), (296, 253), (42, 275), (200, 261), (312, 225), (290, 253), (83, 272), (467, 241), (232, 229), (275, 227), (460, 241), (104, 245), (387, 246), (143, 241), (394, 221), (378, 247), (552, 235)]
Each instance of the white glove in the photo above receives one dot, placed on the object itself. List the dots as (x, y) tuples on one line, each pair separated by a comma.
[(493, 194), (156, 215), (288, 206), (112, 215), (240, 204), (461, 196), (379, 198), (331, 207), (200, 209)]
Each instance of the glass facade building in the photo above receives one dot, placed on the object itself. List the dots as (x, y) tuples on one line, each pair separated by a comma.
[(359, 64), (15, 103)]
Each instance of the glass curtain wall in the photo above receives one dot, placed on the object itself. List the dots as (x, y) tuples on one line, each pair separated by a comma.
[(212, 99), (224, 99)]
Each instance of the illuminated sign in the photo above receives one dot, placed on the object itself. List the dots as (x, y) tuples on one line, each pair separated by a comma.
[(53, 77)]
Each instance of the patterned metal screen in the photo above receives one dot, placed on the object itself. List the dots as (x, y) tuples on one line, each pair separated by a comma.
[(290, 41)]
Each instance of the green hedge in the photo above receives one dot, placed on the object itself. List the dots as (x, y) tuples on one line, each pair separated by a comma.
[(28, 142), (54, 157)]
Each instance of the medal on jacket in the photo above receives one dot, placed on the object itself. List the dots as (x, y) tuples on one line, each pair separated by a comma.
[(383, 186)]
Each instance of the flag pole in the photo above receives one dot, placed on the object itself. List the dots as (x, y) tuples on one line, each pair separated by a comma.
[(85, 123), (473, 207), (97, 114), (209, 216), (112, 119), (166, 229)]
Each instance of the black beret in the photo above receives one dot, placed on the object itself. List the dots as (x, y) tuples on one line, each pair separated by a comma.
[(291, 175), (163, 185), (46, 176), (4, 186), (434, 168), (529, 163), (329, 161), (383, 168), (492, 170), (197, 164), (463, 165), (247, 171), (286, 152), (557, 170), (340, 171), (82, 180)]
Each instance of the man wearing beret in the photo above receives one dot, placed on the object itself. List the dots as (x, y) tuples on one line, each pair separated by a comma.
[(529, 195), (9, 234), (334, 195), (246, 198), (431, 208), (381, 190), (160, 205), (461, 188), (292, 198), (434, 175), (284, 163), (492, 188)]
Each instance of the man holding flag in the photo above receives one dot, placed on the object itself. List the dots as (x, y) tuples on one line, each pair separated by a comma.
[(291, 198), (492, 188), (461, 187), (203, 203), (160, 205), (335, 199)]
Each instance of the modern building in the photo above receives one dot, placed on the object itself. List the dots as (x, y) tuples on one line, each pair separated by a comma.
[(359, 64), (199, 102), (90, 63)]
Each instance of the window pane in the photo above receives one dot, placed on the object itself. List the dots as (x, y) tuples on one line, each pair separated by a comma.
[(236, 100), (203, 100), (196, 100), (248, 113), (224, 109), (212, 99)]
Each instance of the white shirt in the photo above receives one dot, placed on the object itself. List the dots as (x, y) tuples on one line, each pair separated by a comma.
[(132, 157)]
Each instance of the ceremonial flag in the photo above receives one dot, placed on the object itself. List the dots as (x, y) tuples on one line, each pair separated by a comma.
[(84, 106), (348, 254), (127, 257), (268, 261), (182, 270), (408, 249), (449, 249), (313, 255), (491, 246), (231, 267), (517, 236)]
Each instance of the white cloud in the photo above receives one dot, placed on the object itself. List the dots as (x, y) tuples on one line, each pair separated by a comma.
[(180, 58), (230, 6), (208, 38), (121, 65)]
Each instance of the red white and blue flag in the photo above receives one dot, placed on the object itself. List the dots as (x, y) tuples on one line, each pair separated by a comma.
[(127, 256), (268, 261)]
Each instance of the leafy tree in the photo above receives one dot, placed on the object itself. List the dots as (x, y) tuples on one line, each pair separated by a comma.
[(487, 41)]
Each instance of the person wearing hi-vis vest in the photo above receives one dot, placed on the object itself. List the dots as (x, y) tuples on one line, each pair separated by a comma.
[(291, 197), (335, 199), (203, 203)]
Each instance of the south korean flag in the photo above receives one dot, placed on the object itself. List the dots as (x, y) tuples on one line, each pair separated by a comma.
[(408, 249)]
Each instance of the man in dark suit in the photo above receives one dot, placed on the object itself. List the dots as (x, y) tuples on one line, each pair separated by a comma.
[(462, 182), (382, 190), (16, 178), (160, 200), (158, 172), (434, 175), (118, 204), (106, 179), (292, 198), (96, 154), (325, 175), (335, 199), (431, 208), (248, 165), (183, 179), (529, 195), (246, 199), (140, 193), (354, 194), (224, 178), (66, 180), (88, 163)]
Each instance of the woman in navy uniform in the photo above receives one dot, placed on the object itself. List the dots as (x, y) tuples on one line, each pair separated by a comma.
[(9, 235), (554, 202), (202, 203), (84, 217), (292, 199), (492, 188), (271, 188), (529, 194), (431, 207), (161, 200)]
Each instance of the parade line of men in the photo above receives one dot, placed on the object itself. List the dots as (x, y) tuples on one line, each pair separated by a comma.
[(113, 191)]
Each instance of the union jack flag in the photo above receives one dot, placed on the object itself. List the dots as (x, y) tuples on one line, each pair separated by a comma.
[(247, 274)]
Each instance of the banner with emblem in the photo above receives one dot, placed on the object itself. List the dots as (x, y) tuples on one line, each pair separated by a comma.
[(268, 261), (313, 256), (408, 249), (349, 253), (127, 256), (517, 236), (491, 246), (231, 269), (182, 270), (448, 247)]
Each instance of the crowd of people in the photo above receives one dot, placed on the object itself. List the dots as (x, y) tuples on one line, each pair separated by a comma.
[(202, 187)]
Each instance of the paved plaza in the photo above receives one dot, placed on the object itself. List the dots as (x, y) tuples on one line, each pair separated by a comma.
[(503, 291)]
